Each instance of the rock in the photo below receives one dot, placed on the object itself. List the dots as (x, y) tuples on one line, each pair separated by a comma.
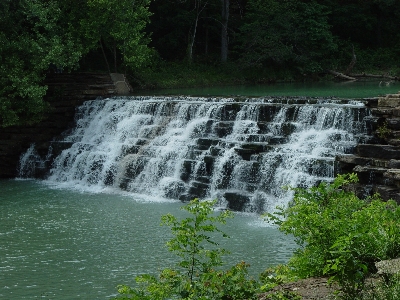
[(205, 143), (209, 164), (394, 142), (393, 123), (222, 129), (245, 153), (236, 201), (186, 169), (257, 147), (388, 267), (198, 189), (389, 101), (186, 197), (122, 86), (394, 164), (172, 187), (396, 111), (382, 111), (387, 192), (394, 175), (353, 159), (378, 151)]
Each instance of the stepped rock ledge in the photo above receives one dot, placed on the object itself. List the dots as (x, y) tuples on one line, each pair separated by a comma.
[(377, 164)]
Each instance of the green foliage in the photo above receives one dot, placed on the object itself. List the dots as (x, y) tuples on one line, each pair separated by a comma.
[(120, 26), (195, 277), (32, 38), (383, 131), (38, 36), (192, 237), (286, 33), (339, 235), (180, 75)]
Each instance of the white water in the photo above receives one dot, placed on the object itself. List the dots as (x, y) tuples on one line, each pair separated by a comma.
[(175, 147)]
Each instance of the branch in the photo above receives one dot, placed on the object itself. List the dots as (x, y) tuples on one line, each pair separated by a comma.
[(340, 75), (365, 75)]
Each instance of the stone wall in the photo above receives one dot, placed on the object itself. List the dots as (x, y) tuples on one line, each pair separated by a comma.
[(378, 164), (65, 92)]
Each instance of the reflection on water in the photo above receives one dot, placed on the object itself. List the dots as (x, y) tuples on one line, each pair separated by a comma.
[(348, 89), (60, 244)]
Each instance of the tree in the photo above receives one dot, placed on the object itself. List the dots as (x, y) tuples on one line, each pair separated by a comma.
[(33, 38), (288, 34), (118, 25), (199, 6), (40, 35), (224, 30)]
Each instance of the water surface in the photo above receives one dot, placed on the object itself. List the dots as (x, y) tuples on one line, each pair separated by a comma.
[(352, 89), (63, 244)]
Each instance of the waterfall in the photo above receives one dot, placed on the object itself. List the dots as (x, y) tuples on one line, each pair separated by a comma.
[(241, 151)]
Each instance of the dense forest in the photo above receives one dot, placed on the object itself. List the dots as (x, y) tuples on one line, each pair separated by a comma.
[(214, 42)]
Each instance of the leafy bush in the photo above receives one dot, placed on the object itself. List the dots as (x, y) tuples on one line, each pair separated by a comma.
[(195, 277), (339, 235)]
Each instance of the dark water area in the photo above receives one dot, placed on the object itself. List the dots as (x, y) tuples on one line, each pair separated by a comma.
[(354, 89)]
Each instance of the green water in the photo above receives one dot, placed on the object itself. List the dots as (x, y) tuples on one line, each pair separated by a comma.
[(62, 244), (355, 89)]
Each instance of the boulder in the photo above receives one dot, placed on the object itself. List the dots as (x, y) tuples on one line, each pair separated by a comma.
[(236, 201), (394, 164), (379, 151), (389, 101), (388, 267), (393, 123)]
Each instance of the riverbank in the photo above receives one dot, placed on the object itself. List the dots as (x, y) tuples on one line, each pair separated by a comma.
[(183, 75)]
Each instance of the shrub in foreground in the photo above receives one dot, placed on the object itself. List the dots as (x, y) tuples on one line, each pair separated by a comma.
[(196, 276), (340, 235)]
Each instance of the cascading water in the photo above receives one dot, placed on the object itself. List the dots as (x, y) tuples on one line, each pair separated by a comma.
[(241, 151)]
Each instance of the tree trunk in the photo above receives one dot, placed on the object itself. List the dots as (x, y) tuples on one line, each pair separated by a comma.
[(341, 75), (383, 76), (105, 56), (192, 39), (198, 8), (224, 30), (115, 57)]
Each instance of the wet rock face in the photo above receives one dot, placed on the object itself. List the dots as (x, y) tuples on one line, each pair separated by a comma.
[(377, 163)]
